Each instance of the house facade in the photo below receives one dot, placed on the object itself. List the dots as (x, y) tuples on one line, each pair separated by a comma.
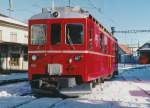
[(125, 54), (13, 45), (144, 53)]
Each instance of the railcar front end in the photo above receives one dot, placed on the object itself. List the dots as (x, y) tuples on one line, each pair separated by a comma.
[(62, 55)]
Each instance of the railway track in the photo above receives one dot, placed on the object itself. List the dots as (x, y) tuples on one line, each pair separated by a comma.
[(31, 103), (5, 82), (49, 102), (33, 99)]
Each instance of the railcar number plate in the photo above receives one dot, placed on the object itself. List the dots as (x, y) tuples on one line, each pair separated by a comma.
[(55, 69)]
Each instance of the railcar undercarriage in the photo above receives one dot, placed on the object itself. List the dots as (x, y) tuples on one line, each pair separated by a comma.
[(59, 86)]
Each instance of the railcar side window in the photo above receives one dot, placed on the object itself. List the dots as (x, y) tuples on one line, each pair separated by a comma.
[(74, 33), (55, 34), (38, 34), (101, 40)]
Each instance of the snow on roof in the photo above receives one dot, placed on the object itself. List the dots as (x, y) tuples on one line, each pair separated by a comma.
[(148, 41), (145, 47), (126, 49), (11, 20)]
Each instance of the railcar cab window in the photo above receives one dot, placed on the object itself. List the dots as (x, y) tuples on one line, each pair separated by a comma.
[(55, 34), (38, 34), (74, 33)]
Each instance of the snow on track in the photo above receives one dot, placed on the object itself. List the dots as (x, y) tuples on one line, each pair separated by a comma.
[(16, 89)]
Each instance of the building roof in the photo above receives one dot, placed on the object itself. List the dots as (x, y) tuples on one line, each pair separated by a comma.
[(12, 43), (3, 15), (145, 47), (125, 49), (1, 41), (7, 19)]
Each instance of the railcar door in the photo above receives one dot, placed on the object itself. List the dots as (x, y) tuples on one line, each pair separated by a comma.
[(54, 49), (55, 35)]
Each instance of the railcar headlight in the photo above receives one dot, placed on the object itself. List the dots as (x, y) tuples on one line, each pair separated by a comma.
[(77, 58), (55, 14), (70, 60), (34, 57)]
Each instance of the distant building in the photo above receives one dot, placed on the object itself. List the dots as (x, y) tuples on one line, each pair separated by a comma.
[(144, 53), (125, 54), (13, 44)]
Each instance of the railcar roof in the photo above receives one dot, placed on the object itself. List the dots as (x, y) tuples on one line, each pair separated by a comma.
[(64, 12)]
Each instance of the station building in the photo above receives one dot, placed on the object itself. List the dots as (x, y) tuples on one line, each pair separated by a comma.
[(13, 45)]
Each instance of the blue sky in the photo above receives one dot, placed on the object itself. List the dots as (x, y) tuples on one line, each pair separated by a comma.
[(123, 14)]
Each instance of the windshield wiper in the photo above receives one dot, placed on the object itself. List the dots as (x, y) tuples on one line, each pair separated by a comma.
[(69, 39)]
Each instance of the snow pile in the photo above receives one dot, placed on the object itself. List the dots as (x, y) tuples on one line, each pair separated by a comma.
[(4, 94)]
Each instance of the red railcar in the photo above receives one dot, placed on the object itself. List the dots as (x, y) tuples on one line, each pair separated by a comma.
[(67, 48)]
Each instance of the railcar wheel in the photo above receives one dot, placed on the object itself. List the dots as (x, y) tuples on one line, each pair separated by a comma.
[(98, 81), (109, 77), (101, 80), (94, 83), (116, 73)]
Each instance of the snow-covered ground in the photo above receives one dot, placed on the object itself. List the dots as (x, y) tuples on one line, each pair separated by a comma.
[(15, 89), (131, 89)]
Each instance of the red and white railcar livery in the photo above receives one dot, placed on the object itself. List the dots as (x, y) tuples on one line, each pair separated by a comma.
[(69, 50)]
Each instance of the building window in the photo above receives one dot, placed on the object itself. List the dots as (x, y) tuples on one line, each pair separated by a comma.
[(0, 34), (25, 57), (13, 36), (55, 34), (26, 36), (14, 59)]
